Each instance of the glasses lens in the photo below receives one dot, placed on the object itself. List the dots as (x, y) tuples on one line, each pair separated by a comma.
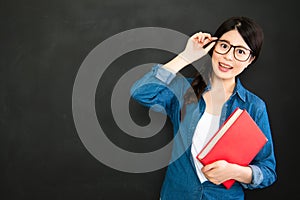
[(240, 53), (222, 47)]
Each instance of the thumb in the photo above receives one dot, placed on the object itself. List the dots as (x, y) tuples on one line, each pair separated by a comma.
[(207, 167), (208, 48)]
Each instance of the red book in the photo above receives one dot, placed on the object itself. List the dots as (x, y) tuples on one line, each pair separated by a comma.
[(237, 141)]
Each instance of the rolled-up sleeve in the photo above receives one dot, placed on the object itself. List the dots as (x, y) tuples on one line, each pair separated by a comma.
[(165, 75), (264, 164)]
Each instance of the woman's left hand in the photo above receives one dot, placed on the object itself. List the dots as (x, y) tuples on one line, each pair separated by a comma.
[(219, 171)]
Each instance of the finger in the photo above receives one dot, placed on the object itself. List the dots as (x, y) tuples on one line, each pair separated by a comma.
[(209, 38), (205, 36), (196, 35), (207, 168), (201, 35), (195, 38), (208, 48)]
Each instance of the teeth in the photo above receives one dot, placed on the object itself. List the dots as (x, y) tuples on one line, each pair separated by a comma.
[(225, 66)]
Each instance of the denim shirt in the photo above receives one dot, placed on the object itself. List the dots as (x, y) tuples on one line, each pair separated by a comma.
[(163, 91)]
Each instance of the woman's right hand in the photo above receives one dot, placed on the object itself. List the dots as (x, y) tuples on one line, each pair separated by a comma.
[(194, 48)]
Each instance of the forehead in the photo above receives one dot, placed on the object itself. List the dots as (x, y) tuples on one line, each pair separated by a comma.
[(234, 38)]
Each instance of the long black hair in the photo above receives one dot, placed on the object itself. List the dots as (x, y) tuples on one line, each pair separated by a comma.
[(252, 34)]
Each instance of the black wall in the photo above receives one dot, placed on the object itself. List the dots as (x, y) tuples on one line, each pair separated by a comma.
[(43, 44)]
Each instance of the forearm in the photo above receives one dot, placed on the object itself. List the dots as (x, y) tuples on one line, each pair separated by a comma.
[(176, 64)]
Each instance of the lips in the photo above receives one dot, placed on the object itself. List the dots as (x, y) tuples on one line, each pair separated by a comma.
[(224, 67)]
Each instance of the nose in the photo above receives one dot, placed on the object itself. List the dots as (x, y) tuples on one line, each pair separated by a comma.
[(229, 55)]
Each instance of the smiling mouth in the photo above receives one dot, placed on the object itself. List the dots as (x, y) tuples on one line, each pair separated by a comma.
[(224, 68)]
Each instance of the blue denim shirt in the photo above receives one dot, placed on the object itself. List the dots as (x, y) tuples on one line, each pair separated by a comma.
[(163, 91)]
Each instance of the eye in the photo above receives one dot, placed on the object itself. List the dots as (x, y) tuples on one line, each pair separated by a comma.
[(240, 51), (224, 45)]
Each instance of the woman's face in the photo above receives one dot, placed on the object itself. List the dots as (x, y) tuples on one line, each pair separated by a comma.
[(226, 66)]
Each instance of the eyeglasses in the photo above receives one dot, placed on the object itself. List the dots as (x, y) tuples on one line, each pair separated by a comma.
[(240, 53)]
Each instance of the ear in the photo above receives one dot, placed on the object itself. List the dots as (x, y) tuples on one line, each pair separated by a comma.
[(251, 60)]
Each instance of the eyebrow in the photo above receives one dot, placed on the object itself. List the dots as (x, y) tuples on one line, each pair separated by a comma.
[(235, 45)]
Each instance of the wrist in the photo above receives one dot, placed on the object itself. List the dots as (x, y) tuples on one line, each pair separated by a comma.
[(242, 173), (184, 58), (176, 64)]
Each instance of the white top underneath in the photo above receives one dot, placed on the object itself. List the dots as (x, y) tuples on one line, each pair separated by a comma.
[(206, 128)]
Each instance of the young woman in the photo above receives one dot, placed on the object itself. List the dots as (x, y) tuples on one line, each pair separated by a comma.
[(198, 108)]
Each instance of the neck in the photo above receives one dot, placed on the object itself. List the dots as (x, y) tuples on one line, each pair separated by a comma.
[(224, 85), (220, 92)]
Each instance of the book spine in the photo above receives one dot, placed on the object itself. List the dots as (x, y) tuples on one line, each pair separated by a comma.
[(205, 146)]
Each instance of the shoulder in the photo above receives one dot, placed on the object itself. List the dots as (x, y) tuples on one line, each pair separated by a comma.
[(254, 99), (250, 98), (255, 105)]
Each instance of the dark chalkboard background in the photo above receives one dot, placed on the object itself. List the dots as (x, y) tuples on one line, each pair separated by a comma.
[(43, 44)]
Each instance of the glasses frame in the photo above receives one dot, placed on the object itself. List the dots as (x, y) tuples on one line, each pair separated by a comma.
[(232, 46)]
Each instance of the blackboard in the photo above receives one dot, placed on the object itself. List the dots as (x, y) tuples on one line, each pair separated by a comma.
[(43, 45)]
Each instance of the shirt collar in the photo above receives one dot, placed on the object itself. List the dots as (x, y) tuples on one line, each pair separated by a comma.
[(240, 90)]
